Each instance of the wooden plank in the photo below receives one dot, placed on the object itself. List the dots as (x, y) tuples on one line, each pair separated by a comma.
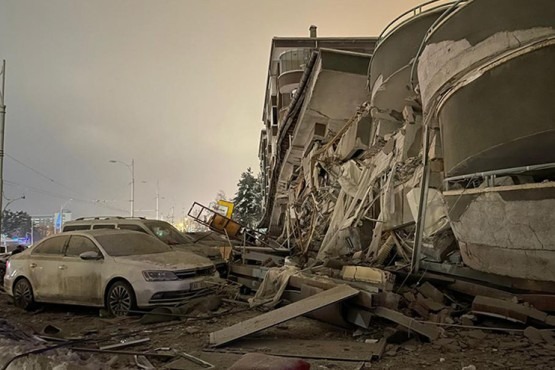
[(427, 330), (363, 299), (272, 318)]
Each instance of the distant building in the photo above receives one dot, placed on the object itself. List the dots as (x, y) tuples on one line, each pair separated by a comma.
[(46, 225)]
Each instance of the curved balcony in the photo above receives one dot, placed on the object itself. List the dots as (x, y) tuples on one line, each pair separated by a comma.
[(293, 60), (289, 81), (401, 45), (478, 31), (501, 114)]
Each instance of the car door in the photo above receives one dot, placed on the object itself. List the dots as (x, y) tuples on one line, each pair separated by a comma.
[(44, 267), (81, 280)]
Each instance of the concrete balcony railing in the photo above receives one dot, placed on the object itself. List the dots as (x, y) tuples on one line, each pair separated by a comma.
[(293, 60), (289, 81)]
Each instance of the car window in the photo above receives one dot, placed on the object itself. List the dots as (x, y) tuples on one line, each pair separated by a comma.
[(131, 244), (76, 227), (51, 246), (104, 226), (80, 244), (166, 232), (131, 227)]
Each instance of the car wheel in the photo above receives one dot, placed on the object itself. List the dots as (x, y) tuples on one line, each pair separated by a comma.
[(23, 294), (120, 299)]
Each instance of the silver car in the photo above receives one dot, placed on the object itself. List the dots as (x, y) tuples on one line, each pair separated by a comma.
[(116, 269)]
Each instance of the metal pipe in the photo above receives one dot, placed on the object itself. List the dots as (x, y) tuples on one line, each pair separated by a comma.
[(421, 216), (2, 127), (505, 171)]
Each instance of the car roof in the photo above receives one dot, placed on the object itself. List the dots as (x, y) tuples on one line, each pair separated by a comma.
[(99, 232)]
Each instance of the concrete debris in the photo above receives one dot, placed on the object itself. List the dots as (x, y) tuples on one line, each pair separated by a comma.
[(259, 361), (269, 319)]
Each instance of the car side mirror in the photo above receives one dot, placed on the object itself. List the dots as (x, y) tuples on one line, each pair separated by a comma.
[(90, 255)]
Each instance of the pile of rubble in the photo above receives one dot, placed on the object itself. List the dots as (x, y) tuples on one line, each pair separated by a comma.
[(412, 308)]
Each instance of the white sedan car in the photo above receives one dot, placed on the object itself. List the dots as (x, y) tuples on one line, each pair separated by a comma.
[(116, 269)]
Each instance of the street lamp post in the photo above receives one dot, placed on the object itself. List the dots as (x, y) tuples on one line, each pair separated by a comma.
[(131, 168), (61, 215)]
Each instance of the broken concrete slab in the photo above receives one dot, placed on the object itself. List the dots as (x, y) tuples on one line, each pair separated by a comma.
[(474, 289), (272, 318), (429, 304), (430, 291), (505, 309), (542, 302), (429, 331)]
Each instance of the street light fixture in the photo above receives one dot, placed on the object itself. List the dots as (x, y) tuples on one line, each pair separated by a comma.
[(131, 168), (10, 201)]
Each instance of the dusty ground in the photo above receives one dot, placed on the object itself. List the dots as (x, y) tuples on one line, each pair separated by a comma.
[(458, 348)]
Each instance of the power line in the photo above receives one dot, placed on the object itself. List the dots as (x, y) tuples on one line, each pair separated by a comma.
[(64, 196), (55, 195), (41, 174)]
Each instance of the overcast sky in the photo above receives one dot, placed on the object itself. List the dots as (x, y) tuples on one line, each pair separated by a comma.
[(176, 85)]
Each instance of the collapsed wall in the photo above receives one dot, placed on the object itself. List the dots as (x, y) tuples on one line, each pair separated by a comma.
[(459, 104)]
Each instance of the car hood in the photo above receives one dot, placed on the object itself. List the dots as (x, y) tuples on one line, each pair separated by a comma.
[(174, 260)]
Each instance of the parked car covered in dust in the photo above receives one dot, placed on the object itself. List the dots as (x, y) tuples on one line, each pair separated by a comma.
[(117, 269), (162, 230)]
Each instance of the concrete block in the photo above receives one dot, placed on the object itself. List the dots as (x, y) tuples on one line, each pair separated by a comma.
[(368, 275)]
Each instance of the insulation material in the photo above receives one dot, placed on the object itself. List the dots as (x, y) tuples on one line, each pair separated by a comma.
[(350, 178), (272, 287), (436, 218)]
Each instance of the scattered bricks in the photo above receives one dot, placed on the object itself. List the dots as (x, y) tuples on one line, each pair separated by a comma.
[(259, 361), (430, 304), (409, 296), (442, 316), (387, 299), (467, 319), (476, 334), (420, 310), (533, 335), (430, 291)]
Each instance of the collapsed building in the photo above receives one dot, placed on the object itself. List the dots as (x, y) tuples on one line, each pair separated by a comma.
[(426, 147)]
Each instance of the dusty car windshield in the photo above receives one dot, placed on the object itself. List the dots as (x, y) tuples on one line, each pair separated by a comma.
[(166, 232), (131, 244)]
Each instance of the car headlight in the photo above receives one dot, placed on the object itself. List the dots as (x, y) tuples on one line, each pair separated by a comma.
[(159, 276)]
